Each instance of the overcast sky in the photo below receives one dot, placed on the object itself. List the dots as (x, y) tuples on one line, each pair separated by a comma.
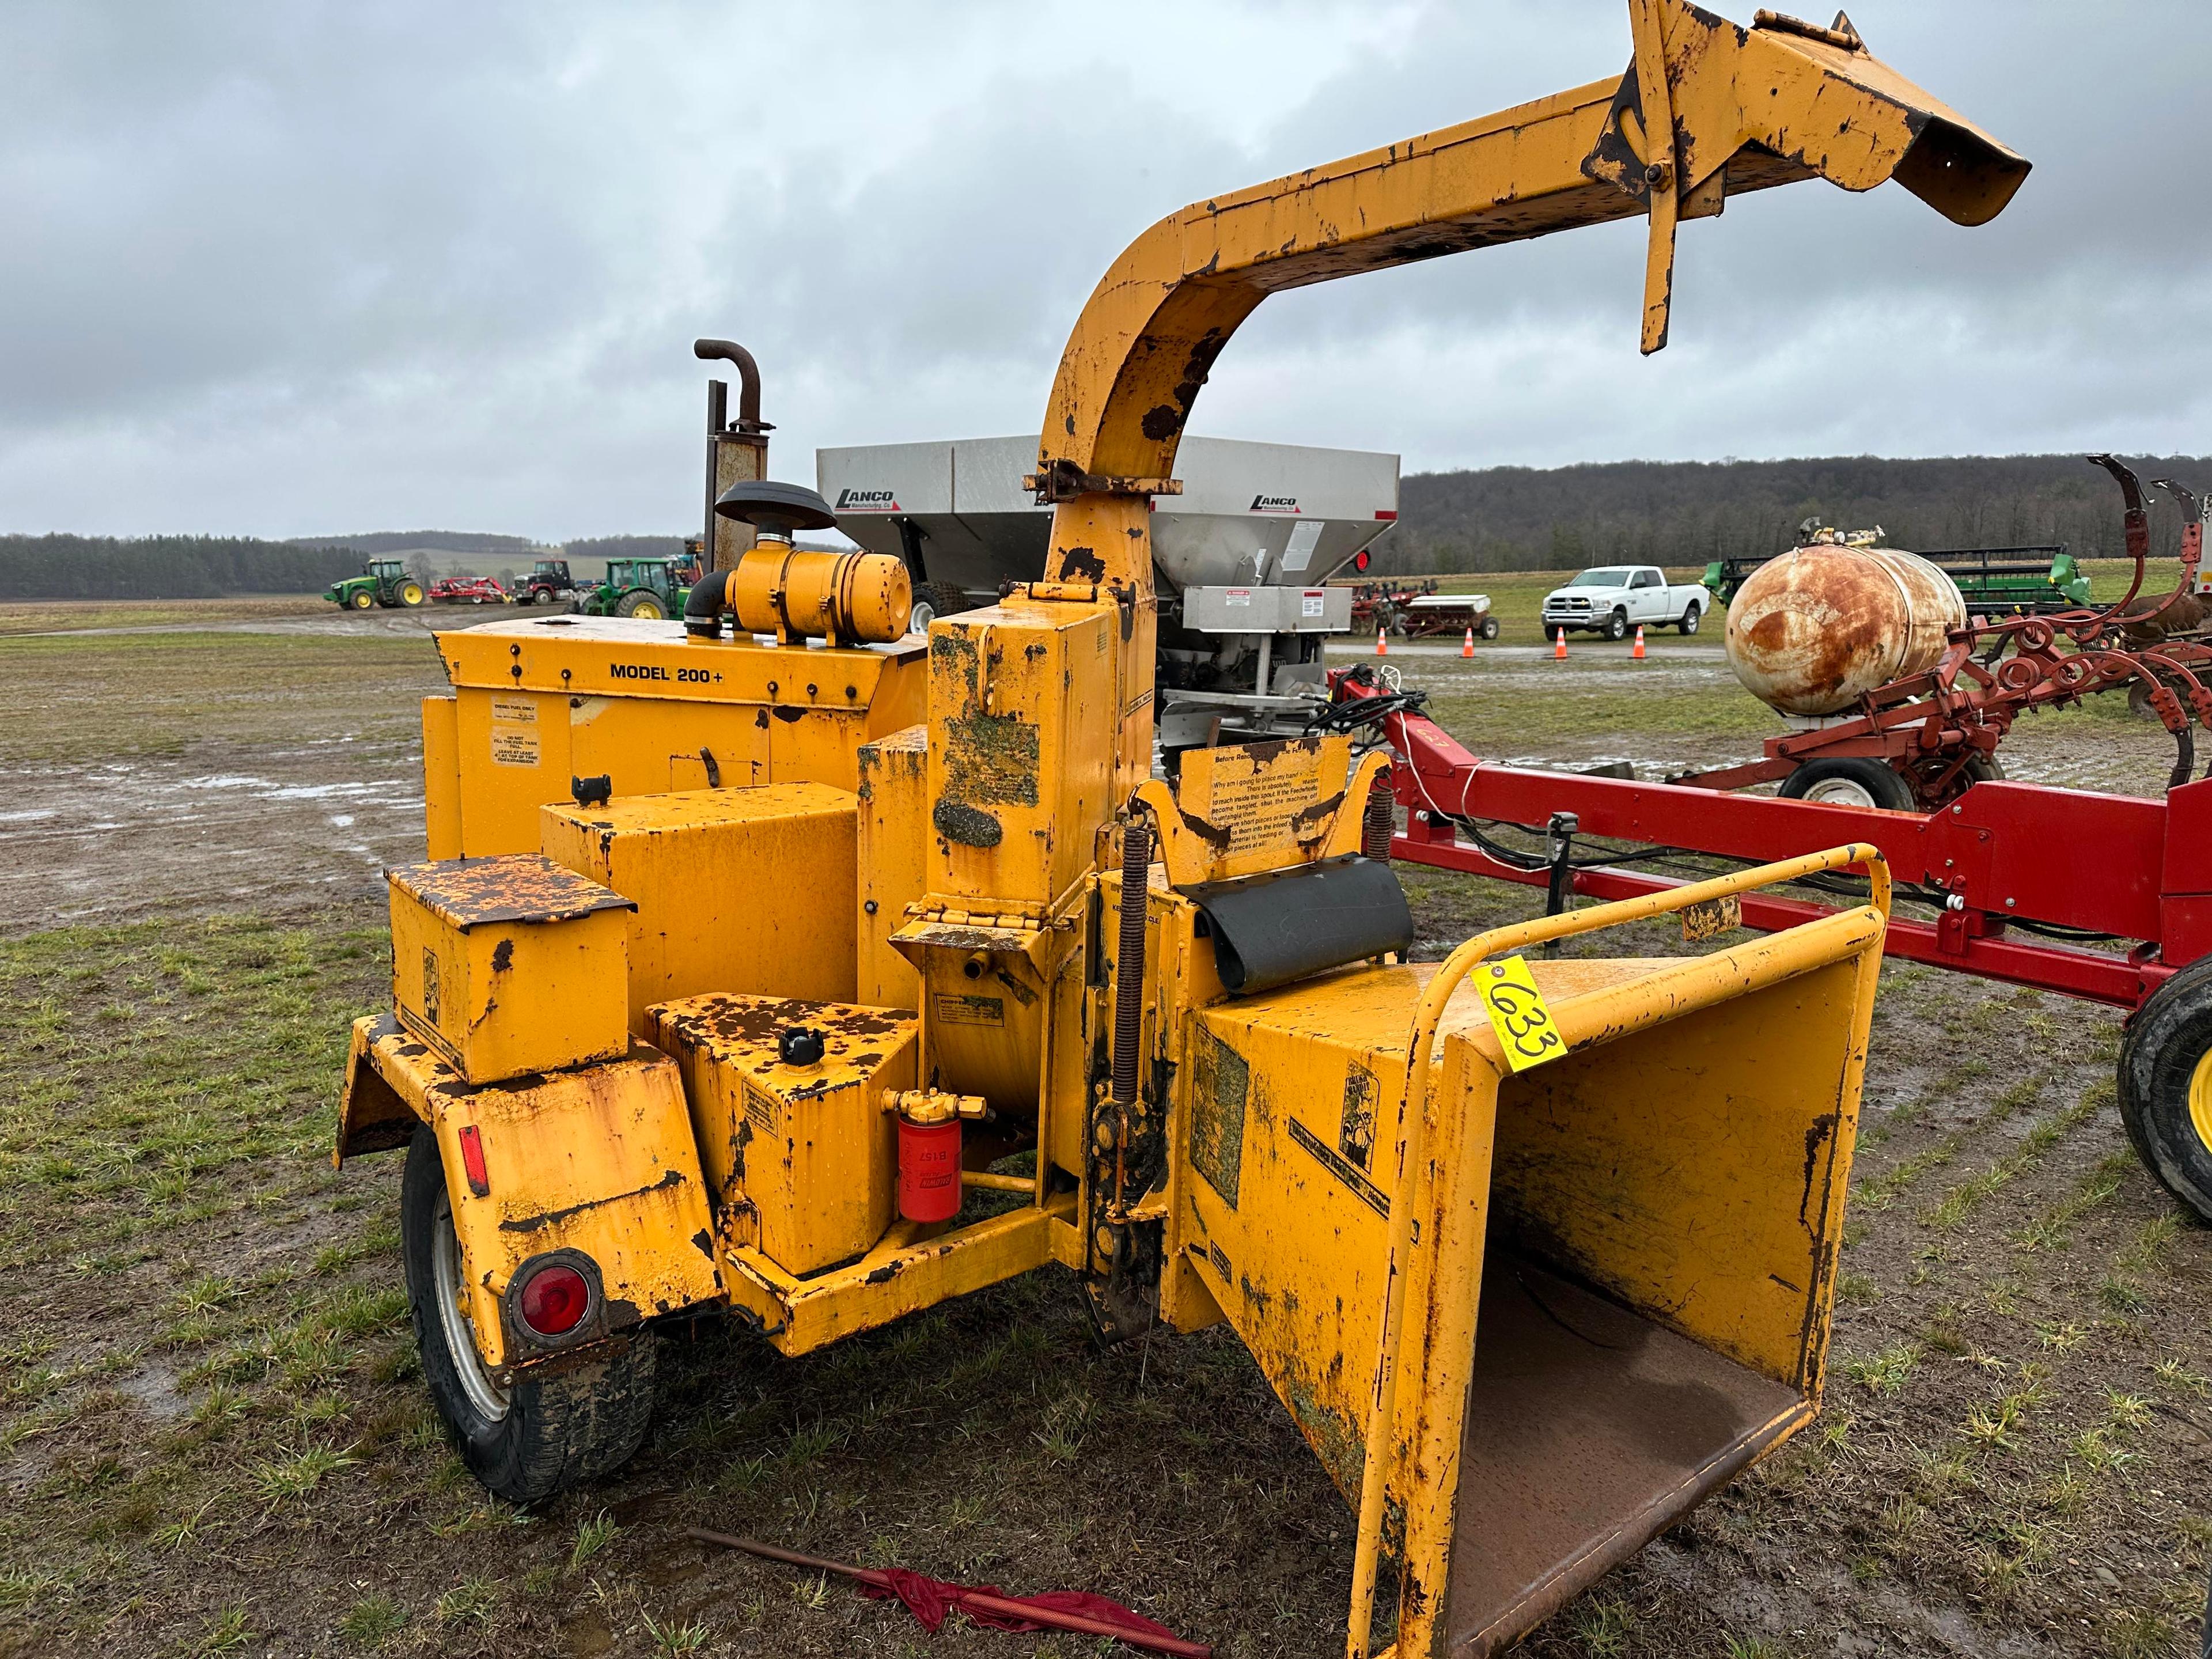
[(294, 267)]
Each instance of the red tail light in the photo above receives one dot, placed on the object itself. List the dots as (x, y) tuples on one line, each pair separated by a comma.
[(554, 1300), (1360, 560)]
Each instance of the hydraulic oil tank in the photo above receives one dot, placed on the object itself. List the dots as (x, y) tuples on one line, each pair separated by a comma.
[(1813, 631)]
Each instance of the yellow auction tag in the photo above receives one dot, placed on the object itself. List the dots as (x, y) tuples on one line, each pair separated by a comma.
[(1517, 1013)]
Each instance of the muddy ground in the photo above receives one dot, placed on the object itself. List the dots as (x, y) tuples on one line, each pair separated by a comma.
[(213, 1439)]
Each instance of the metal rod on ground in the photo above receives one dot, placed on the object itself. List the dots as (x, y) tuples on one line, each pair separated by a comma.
[(1048, 1617)]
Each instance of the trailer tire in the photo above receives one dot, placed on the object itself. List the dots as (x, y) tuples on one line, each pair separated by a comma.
[(535, 1438), (935, 599), (1490, 627), (1615, 627), (1849, 782), (1691, 617), (2165, 1085)]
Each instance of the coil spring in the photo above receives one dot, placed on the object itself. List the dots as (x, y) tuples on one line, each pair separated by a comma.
[(1381, 818)]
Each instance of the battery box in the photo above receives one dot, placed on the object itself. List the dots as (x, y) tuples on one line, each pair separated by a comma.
[(801, 1158), (510, 965)]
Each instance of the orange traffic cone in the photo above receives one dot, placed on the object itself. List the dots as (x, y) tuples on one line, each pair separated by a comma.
[(1638, 653), (1380, 649), (1559, 649), (1467, 645)]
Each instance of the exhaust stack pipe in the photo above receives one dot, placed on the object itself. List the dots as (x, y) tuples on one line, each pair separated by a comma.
[(737, 451)]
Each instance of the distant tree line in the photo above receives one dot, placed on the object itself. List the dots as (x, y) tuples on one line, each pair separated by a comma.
[(164, 567), (1688, 512), (1506, 518), (435, 541), (61, 567)]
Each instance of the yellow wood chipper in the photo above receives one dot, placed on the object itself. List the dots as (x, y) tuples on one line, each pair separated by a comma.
[(755, 947)]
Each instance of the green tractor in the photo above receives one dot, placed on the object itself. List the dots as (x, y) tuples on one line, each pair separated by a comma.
[(652, 589), (384, 582)]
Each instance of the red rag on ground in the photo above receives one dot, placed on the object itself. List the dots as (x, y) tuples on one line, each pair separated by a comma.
[(931, 1600)]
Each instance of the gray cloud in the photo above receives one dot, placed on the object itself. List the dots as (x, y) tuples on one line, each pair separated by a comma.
[(285, 267)]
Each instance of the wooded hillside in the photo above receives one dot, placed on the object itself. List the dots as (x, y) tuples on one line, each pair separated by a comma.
[(1686, 513), (164, 567)]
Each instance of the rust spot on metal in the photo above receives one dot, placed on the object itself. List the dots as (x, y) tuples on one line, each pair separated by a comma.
[(1222, 1087), (1081, 563), (788, 715), (991, 759), (512, 887), (750, 1020), (502, 955), (970, 826), (1815, 1137), (1311, 822), (553, 1217)]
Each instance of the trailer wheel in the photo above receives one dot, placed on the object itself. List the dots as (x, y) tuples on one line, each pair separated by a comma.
[(1690, 619), (530, 1439), (1616, 626), (1489, 630), (935, 599), (1848, 783), (2165, 1085)]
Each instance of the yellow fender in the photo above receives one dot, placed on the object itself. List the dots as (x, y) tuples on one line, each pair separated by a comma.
[(596, 1160)]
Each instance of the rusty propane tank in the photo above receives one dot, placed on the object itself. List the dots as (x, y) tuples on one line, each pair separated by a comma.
[(1813, 631)]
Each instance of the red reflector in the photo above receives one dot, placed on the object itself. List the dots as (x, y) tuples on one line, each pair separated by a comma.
[(554, 1301), (1385, 512), (1360, 561), (472, 1164)]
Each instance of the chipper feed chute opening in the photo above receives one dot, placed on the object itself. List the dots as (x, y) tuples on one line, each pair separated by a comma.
[(1616, 1265)]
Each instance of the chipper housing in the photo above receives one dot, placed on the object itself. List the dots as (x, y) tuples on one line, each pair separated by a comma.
[(815, 976)]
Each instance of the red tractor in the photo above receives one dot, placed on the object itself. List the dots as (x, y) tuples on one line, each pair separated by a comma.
[(468, 590)]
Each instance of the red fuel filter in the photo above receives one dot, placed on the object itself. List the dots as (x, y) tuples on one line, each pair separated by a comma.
[(929, 1170), (929, 1150)]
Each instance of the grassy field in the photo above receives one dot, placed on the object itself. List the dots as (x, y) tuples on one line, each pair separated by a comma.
[(141, 694), (45, 616), (213, 1438)]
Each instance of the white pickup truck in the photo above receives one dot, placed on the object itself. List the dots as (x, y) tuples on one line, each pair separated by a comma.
[(1611, 598)]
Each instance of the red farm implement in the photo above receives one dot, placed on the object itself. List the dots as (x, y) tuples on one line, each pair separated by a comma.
[(2106, 897), (468, 590), (1918, 742)]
